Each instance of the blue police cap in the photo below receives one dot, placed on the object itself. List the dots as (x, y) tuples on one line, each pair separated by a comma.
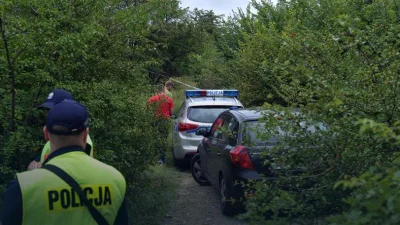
[(55, 97), (69, 114)]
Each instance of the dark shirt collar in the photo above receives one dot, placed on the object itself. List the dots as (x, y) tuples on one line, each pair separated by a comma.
[(62, 151)]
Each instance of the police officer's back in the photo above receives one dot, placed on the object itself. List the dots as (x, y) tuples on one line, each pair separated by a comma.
[(42, 197)]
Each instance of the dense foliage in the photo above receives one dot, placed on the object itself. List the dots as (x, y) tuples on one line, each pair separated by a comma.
[(336, 60), (108, 54)]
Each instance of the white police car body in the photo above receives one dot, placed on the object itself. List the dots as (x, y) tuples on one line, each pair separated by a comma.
[(200, 109)]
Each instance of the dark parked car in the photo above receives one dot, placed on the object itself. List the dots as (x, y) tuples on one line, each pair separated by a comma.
[(223, 158), (230, 154)]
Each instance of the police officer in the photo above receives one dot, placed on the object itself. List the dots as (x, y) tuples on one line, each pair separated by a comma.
[(45, 195), (54, 97)]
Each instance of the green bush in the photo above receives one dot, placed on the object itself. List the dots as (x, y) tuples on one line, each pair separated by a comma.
[(374, 195), (97, 50), (338, 61)]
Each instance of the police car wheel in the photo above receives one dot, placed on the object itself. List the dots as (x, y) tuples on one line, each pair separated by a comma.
[(196, 171)]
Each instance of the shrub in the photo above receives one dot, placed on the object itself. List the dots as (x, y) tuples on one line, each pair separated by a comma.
[(374, 195), (91, 50), (338, 62)]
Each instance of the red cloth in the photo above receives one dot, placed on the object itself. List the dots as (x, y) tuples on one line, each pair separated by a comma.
[(217, 124), (162, 104)]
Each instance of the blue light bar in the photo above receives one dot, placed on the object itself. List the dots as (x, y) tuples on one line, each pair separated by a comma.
[(212, 93), (231, 93)]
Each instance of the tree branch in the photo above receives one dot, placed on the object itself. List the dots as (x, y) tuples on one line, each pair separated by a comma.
[(10, 72), (34, 11), (18, 54), (394, 100), (33, 103)]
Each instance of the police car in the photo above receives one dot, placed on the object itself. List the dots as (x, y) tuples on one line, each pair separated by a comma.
[(200, 109)]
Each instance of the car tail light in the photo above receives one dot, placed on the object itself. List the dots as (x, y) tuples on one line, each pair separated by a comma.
[(186, 126), (241, 158)]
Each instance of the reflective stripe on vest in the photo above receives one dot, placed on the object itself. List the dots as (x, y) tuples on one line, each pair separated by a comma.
[(46, 149), (47, 199)]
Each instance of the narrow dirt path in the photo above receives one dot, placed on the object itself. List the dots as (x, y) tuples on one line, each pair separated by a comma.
[(197, 205)]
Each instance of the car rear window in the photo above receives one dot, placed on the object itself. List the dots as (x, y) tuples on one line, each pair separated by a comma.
[(254, 131), (205, 114)]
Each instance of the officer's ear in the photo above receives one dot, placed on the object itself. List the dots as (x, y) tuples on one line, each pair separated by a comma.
[(85, 134), (46, 134)]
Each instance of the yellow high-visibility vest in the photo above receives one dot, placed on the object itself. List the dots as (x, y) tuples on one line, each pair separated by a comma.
[(48, 200), (46, 149)]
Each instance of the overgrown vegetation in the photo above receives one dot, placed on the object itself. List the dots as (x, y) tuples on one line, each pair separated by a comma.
[(103, 52), (337, 60)]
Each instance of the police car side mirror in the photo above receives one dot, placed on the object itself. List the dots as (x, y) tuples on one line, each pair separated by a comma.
[(202, 131)]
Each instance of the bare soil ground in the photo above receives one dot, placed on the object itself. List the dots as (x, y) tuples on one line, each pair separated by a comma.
[(197, 205)]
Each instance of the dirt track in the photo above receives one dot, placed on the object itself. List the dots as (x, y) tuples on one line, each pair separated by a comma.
[(197, 205)]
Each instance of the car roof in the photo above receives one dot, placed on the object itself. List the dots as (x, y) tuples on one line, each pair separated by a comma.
[(253, 114), (246, 114), (199, 101)]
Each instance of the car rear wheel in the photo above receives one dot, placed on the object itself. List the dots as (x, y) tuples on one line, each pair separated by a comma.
[(226, 196), (197, 172)]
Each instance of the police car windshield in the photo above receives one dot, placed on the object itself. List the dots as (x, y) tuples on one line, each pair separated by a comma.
[(205, 114)]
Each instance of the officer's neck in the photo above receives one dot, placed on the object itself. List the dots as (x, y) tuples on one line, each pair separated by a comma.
[(55, 146)]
